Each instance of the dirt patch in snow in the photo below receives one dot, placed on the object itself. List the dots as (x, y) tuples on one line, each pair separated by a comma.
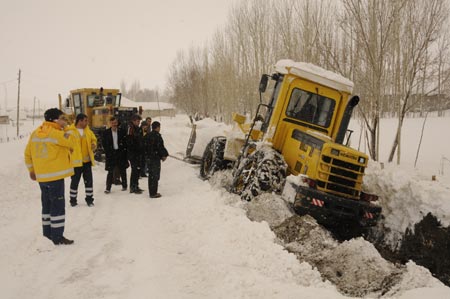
[(270, 208), (427, 245), (355, 266)]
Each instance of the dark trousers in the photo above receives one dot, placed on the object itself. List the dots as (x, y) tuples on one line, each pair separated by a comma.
[(86, 171), (110, 176), (53, 209), (154, 171), (135, 172), (144, 168)]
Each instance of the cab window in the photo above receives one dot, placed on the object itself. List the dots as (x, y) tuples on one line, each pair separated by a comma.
[(117, 102), (310, 107), (77, 104), (94, 100)]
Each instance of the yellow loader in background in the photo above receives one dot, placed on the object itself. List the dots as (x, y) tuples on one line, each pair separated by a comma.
[(99, 105)]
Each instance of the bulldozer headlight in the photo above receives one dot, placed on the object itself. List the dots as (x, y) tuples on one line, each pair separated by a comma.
[(325, 167), (335, 152), (362, 160)]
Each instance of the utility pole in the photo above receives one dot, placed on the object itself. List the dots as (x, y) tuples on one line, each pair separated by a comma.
[(157, 100), (18, 102), (34, 108), (6, 97)]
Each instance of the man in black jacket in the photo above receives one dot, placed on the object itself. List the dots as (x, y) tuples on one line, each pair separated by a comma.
[(114, 144), (134, 149), (144, 129), (154, 153)]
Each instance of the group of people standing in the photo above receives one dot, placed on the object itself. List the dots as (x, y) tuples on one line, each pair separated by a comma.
[(56, 151), (140, 147)]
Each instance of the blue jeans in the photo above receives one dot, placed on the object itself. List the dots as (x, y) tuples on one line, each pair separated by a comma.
[(53, 209)]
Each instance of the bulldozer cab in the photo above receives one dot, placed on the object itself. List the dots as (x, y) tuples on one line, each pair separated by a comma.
[(97, 103), (309, 99)]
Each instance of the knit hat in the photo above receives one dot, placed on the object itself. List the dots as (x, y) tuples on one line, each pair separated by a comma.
[(52, 114)]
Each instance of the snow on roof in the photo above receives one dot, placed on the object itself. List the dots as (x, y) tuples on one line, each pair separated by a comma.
[(314, 73), (146, 105)]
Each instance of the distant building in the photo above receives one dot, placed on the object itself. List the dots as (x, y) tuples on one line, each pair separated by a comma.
[(152, 109), (4, 119)]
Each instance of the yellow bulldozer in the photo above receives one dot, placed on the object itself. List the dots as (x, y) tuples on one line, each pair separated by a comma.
[(300, 135), (99, 104)]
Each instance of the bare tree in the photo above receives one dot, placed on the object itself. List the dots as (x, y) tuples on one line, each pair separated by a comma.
[(388, 48), (370, 23), (421, 28)]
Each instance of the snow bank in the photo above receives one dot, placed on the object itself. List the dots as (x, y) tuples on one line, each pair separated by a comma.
[(406, 197), (268, 207)]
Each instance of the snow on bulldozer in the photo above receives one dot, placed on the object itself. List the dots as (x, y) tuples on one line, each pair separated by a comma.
[(296, 142)]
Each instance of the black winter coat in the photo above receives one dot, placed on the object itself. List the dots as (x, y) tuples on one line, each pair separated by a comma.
[(154, 146), (113, 157), (134, 143)]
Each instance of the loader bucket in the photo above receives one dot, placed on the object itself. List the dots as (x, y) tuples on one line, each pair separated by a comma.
[(189, 157), (191, 141), (202, 132)]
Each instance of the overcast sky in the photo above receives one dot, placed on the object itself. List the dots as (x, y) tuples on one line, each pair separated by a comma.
[(61, 45)]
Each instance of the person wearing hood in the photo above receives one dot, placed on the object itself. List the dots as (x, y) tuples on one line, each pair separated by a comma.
[(47, 157), (83, 159)]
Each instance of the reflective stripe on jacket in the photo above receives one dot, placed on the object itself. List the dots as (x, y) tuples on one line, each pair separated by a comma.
[(47, 153)]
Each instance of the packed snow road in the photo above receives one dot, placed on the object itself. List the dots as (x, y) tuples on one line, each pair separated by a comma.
[(187, 244), (195, 242)]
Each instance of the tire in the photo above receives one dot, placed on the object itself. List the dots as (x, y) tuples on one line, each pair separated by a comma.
[(212, 160), (262, 171)]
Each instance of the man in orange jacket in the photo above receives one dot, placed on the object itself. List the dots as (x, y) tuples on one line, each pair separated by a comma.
[(47, 157)]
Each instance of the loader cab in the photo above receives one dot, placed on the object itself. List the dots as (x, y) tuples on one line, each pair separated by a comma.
[(96, 103), (306, 99)]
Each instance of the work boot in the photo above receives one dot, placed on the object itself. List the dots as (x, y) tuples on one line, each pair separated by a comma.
[(136, 190), (63, 241), (90, 201)]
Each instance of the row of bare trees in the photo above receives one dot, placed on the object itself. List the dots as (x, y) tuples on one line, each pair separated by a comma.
[(396, 52), (138, 94)]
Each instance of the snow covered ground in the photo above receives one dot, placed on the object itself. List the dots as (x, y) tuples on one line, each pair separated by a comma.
[(194, 242)]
